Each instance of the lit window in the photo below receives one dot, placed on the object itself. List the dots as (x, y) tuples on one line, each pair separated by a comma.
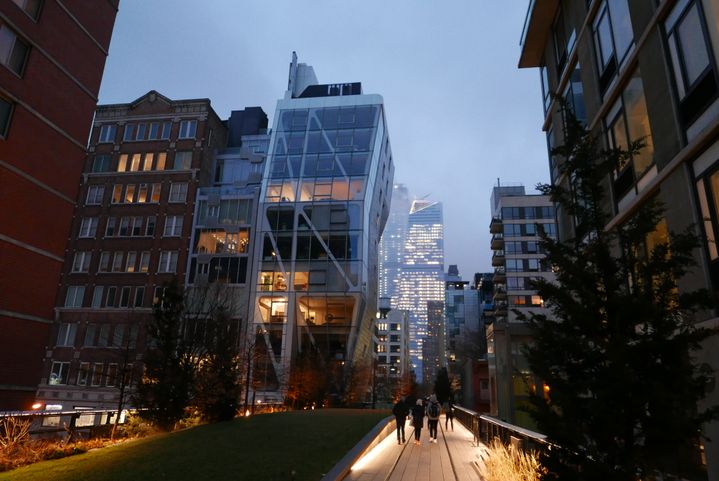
[(147, 164), (188, 129), (13, 50), (117, 194), (156, 190), (59, 373), (161, 157), (122, 163), (135, 165), (142, 193)]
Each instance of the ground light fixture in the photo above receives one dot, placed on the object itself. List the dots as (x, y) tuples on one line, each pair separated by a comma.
[(370, 455)]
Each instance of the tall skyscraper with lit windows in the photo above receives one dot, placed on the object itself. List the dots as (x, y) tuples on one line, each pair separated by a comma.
[(422, 272), (391, 246)]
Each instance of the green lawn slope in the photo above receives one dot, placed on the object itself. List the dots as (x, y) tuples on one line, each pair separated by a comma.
[(260, 448)]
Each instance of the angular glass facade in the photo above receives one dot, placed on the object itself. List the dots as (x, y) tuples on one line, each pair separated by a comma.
[(323, 206)]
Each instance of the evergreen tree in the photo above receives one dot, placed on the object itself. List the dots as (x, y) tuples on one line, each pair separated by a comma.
[(616, 353), (164, 389), (217, 387)]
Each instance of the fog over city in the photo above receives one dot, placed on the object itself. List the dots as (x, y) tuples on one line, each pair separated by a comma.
[(460, 113)]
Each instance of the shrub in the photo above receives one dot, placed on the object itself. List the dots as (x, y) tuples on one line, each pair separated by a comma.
[(504, 463)]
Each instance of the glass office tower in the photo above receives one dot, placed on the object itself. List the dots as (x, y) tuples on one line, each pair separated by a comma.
[(324, 203), (421, 273)]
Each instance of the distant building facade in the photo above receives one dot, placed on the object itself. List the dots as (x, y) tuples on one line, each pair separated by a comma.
[(130, 235), (517, 258), (465, 335), (52, 56), (392, 349), (434, 353)]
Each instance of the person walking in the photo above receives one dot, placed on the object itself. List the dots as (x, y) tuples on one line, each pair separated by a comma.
[(433, 412), (400, 412), (417, 420), (449, 415)]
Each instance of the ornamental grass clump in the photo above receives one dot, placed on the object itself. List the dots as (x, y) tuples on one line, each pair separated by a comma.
[(506, 463)]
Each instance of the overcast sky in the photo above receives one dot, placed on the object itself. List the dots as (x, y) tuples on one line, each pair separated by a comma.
[(460, 114)]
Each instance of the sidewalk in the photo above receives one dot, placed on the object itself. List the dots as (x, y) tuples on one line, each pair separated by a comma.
[(450, 459)]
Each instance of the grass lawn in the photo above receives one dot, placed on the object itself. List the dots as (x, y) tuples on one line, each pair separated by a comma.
[(260, 448)]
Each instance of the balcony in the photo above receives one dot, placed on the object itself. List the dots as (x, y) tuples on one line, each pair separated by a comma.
[(500, 294), (498, 259), (537, 24), (500, 276), (495, 226), (497, 242)]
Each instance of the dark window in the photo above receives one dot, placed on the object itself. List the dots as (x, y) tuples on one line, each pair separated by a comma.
[(563, 40), (691, 59), (613, 36), (5, 114), (13, 50), (31, 7)]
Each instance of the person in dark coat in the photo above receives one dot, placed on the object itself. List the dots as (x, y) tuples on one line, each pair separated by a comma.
[(449, 415), (417, 420), (400, 411), (433, 412)]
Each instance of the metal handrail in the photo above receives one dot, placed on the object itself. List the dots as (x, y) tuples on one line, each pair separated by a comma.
[(485, 428)]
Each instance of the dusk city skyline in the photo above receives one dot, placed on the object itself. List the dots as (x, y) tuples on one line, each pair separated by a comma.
[(461, 114), (359, 240)]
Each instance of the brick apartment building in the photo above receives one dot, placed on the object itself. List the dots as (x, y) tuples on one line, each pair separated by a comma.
[(130, 234), (52, 56)]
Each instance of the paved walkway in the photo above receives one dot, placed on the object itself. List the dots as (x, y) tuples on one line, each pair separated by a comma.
[(450, 459)]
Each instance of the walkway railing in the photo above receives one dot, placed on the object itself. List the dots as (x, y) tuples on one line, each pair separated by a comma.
[(48, 423), (486, 428)]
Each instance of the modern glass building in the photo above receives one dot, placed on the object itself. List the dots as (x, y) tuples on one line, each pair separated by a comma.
[(323, 206), (391, 246), (422, 272)]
